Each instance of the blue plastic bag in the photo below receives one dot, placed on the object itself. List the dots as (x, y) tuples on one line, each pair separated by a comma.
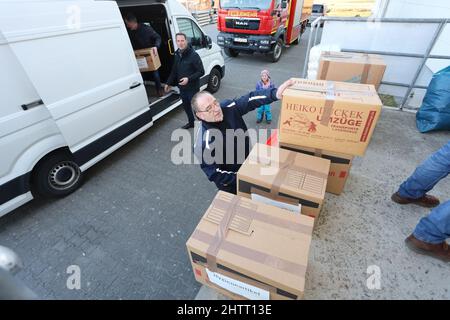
[(434, 113)]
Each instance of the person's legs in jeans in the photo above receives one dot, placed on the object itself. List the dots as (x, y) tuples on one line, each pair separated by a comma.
[(268, 112), (259, 114), (425, 177), (435, 228), (186, 97)]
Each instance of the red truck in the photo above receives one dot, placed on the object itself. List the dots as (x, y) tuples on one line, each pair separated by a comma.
[(263, 26)]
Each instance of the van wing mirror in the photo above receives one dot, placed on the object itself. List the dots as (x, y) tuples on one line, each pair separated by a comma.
[(208, 41), (283, 4)]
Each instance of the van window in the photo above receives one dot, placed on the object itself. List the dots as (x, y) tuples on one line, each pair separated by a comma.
[(317, 8), (192, 31)]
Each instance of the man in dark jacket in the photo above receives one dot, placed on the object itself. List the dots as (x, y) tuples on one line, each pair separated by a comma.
[(211, 145), (143, 36), (186, 73)]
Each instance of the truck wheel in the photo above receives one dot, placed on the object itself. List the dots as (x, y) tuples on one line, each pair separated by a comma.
[(276, 54), (296, 41), (214, 81), (303, 28), (56, 176), (231, 52)]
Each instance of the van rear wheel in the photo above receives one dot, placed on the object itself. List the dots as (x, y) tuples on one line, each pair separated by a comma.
[(56, 176)]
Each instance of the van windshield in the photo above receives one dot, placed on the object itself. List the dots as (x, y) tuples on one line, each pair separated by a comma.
[(317, 8), (245, 4)]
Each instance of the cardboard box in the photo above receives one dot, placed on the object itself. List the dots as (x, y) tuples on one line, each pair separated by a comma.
[(328, 115), (147, 60), (351, 67), (284, 176), (339, 168), (250, 250)]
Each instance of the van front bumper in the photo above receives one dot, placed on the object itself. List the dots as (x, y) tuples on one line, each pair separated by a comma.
[(249, 43)]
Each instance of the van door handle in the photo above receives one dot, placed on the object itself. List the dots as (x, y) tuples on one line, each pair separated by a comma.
[(32, 104), (135, 85), (169, 44)]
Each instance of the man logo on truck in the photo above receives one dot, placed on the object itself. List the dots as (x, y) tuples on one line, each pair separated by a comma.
[(241, 23)]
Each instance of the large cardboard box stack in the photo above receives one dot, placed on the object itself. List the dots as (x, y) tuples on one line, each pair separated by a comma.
[(339, 168), (284, 176), (328, 115), (147, 60), (351, 67), (250, 250)]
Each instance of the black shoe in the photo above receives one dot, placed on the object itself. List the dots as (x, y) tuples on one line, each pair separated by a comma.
[(269, 121), (188, 125), (258, 121)]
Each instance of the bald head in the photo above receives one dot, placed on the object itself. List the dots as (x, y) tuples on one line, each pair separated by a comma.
[(206, 107), (198, 98)]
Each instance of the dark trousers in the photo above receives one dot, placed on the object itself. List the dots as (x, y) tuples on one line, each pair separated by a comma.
[(153, 75), (186, 97)]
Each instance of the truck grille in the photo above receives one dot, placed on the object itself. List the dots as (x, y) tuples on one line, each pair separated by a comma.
[(239, 23)]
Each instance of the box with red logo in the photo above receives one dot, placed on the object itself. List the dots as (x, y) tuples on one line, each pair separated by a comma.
[(328, 115)]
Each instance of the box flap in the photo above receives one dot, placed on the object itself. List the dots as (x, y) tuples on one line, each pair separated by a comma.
[(333, 91), (274, 253), (352, 57), (283, 172)]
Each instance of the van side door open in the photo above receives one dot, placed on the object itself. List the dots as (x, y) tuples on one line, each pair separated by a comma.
[(81, 63)]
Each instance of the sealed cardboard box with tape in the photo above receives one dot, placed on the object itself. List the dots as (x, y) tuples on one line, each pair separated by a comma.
[(250, 250), (285, 176), (351, 67), (329, 115), (147, 60), (339, 168)]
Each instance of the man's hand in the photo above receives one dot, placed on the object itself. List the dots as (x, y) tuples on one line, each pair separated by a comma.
[(183, 81), (167, 88), (155, 51), (283, 87)]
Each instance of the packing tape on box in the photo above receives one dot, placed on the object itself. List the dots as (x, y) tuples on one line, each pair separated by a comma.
[(222, 230), (326, 66), (329, 103), (365, 73), (282, 165), (251, 254), (219, 242), (246, 214), (330, 97), (281, 176), (318, 153), (283, 169)]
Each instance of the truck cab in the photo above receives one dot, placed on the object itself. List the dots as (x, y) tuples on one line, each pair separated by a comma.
[(260, 26)]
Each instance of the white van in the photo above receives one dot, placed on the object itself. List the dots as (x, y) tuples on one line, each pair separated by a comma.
[(71, 91)]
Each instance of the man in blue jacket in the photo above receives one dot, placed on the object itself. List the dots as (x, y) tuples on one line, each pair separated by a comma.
[(220, 122)]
